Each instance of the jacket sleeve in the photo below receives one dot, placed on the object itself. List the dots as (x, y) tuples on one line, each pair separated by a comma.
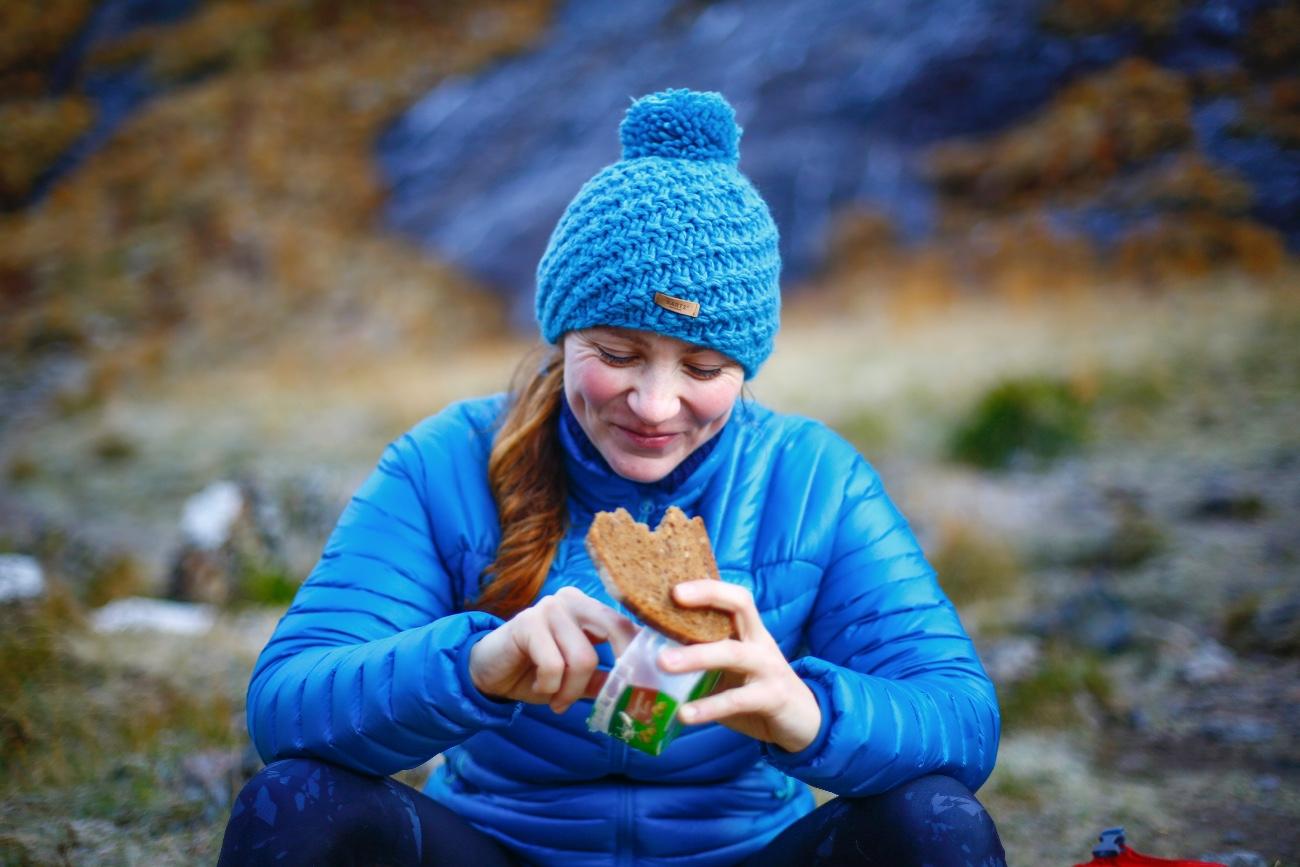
[(369, 666), (901, 690)]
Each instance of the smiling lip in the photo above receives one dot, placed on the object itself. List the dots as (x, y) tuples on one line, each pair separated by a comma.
[(656, 441)]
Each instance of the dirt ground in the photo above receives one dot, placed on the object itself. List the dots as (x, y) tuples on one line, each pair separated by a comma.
[(1133, 598)]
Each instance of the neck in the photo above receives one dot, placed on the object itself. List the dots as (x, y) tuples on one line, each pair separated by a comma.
[(668, 483)]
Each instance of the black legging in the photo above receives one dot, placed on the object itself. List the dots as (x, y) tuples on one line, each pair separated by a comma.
[(304, 811)]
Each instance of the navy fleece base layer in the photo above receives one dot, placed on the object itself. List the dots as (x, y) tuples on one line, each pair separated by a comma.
[(303, 811)]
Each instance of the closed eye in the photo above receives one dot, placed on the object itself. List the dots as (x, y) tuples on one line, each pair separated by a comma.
[(616, 360), (703, 372)]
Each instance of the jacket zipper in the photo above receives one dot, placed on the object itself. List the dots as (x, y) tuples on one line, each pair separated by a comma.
[(626, 833)]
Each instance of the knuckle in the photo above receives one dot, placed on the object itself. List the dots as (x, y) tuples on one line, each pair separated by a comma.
[(586, 656)]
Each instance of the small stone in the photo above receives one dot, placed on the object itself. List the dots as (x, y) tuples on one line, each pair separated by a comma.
[(1239, 731), (137, 613), (1096, 619), (1010, 660), (1221, 501), (1233, 838), (20, 577), (1210, 662), (208, 517), (213, 772), (1266, 783), (1239, 858)]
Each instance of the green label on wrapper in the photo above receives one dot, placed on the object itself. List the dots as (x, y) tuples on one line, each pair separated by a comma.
[(647, 719)]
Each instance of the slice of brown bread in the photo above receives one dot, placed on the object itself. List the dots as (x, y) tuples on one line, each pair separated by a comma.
[(640, 569)]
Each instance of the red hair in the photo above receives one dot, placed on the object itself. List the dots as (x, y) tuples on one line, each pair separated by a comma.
[(526, 475)]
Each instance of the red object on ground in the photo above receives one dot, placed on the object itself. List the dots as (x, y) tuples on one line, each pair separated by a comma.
[(1111, 852)]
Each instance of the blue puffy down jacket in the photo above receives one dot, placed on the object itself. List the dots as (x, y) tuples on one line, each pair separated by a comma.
[(369, 667)]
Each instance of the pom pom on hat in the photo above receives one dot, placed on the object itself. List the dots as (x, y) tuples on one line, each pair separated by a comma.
[(672, 238), (683, 124)]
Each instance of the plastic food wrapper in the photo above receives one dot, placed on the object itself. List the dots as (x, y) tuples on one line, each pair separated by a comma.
[(639, 701)]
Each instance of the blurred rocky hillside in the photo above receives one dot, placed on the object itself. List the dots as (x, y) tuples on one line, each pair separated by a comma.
[(184, 181), (1040, 270)]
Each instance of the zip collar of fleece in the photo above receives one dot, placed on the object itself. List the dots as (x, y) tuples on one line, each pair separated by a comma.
[(595, 487)]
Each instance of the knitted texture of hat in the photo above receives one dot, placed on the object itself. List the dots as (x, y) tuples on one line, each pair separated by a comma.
[(674, 217)]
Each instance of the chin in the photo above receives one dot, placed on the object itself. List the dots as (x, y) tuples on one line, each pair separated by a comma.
[(643, 470)]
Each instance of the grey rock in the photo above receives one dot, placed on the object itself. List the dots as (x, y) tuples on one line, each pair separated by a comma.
[(140, 614), (214, 773), (21, 577), (1246, 730), (1209, 662), (1094, 618), (1221, 499), (1239, 858), (208, 518), (1009, 660)]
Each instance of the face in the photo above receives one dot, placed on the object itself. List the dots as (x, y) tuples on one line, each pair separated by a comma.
[(646, 401)]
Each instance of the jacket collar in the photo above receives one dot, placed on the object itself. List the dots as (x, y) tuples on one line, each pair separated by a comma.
[(594, 486)]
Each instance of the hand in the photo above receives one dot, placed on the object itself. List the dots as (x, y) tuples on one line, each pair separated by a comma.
[(545, 653), (759, 694)]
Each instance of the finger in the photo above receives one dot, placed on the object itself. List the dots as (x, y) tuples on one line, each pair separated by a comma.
[(579, 658), (598, 620), (748, 699), (622, 634), (732, 598), (726, 655), (539, 646)]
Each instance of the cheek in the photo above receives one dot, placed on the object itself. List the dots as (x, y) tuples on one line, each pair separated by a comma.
[(596, 385), (713, 400)]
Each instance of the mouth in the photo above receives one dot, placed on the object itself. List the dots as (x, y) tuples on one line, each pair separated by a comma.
[(646, 440)]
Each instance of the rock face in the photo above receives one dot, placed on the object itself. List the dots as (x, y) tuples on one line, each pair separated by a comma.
[(840, 104)]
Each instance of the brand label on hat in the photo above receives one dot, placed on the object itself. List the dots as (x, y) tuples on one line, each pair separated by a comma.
[(677, 305)]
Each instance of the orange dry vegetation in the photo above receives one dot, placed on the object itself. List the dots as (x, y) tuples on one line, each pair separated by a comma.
[(32, 135), (242, 206), (1090, 131), (32, 35), (1077, 17)]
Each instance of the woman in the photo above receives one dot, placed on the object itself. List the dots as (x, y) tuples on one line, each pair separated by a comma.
[(454, 610)]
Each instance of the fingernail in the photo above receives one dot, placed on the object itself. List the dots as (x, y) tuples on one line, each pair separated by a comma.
[(684, 591), (688, 713), (670, 658)]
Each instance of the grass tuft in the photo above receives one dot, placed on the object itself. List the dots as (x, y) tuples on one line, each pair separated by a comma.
[(1032, 420), (975, 564), (1056, 696)]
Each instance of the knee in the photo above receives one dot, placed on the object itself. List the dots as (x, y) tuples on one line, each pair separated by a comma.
[(934, 818), (290, 807), (286, 775)]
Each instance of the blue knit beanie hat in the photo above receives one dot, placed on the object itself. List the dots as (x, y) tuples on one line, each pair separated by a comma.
[(672, 238)]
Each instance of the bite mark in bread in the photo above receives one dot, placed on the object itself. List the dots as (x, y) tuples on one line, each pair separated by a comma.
[(640, 569)]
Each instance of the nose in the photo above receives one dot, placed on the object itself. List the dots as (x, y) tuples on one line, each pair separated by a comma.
[(654, 398)]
